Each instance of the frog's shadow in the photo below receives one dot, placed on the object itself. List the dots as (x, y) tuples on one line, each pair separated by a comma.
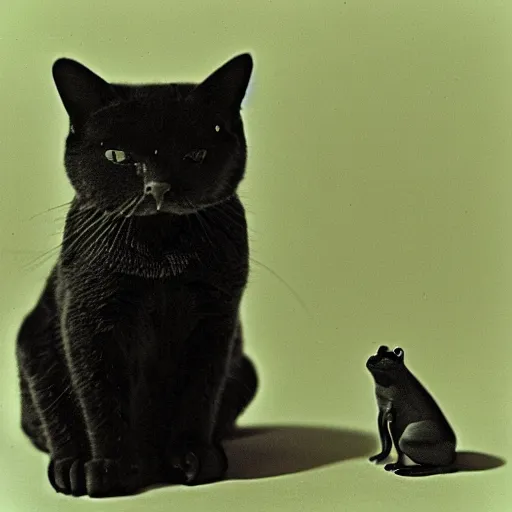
[(478, 461), (264, 452)]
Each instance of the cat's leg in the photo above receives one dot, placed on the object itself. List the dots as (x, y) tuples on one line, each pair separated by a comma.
[(30, 419), (49, 412), (241, 387), (92, 342), (194, 456)]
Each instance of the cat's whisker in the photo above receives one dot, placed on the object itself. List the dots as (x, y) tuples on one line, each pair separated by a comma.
[(66, 218), (134, 209), (106, 235), (132, 204), (89, 232), (96, 246), (229, 212), (128, 231), (33, 265), (231, 207), (76, 214), (81, 216), (119, 231), (289, 287), (86, 234), (67, 389), (45, 256), (204, 226), (49, 210), (120, 213), (102, 220), (40, 260), (103, 236), (229, 215), (125, 217), (74, 222), (51, 367), (124, 207)]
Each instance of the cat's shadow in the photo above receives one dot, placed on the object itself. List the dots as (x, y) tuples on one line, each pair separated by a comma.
[(263, 452), (270, 451)]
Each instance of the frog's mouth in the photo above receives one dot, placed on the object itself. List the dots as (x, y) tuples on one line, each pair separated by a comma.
[(372, 362)]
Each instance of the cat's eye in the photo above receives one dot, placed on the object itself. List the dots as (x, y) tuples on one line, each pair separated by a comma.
[(196, 156), (117, 156), (217, 128)]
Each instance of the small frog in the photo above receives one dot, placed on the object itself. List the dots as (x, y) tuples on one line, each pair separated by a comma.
[(418, 428)]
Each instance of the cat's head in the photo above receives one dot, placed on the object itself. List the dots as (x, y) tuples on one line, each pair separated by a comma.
[(167, 148)]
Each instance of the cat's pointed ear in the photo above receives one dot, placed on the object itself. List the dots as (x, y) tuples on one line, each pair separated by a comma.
[(226, 86), (82, 92)]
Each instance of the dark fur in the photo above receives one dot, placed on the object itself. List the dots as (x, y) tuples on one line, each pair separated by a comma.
[(131, 364), (418, 427)]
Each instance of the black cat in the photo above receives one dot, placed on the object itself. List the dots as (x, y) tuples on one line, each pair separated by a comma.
[(131, 364)]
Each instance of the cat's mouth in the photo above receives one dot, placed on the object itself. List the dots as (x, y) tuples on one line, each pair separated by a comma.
[(148, 206)]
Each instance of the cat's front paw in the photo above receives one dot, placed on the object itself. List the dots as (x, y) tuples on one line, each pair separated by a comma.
[(67, 476), (196, 464), (111, 477)]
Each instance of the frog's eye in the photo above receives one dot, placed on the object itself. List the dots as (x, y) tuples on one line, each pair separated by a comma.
[(398, 352), (117, 156)]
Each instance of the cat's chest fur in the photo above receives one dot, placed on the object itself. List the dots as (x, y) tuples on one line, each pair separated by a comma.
[(156, 278), (157, 319), (150, 320), (210, 246)]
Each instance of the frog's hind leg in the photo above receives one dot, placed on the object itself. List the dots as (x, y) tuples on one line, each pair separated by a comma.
[(424, 443), (425, 470)]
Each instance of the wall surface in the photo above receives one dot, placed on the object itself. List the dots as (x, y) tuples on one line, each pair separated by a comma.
[(378, 195)]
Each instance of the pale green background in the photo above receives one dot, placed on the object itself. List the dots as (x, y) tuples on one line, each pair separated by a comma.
[(378, 188)]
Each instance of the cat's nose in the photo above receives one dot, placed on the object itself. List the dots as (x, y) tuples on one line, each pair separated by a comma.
[(157, 189)]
